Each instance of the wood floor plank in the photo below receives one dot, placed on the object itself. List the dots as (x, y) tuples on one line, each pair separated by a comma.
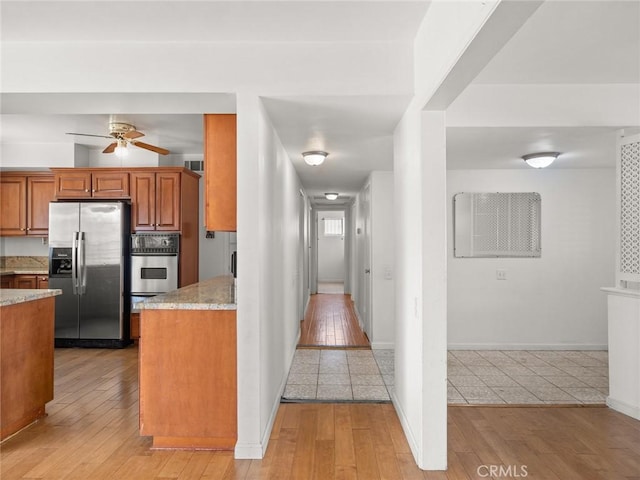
[(331, 321), (366, 463), (345, 453), (324, 456), (86, 437), (305, 452)]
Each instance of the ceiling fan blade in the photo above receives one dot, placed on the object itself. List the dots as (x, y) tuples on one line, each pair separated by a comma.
[(110, 148), (153, 148), (133, 134), (88, 135)]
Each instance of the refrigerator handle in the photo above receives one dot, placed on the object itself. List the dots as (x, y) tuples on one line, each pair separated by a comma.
[(82, 271), (74, 263)]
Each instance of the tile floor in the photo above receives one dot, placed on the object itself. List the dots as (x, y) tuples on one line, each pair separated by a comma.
[(527, 377), (347, 375), (475, 376)]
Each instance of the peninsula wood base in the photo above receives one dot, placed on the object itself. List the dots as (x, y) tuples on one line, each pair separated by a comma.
[(188, 378), (26, 363)]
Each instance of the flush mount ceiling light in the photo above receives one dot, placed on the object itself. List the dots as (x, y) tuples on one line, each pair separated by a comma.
[(331, 196), (315, 157), (540, 160)]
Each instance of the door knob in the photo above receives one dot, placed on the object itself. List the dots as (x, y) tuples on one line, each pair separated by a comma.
[(367, 270)]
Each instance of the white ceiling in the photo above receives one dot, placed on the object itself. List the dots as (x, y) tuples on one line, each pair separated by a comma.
[(563, 42)]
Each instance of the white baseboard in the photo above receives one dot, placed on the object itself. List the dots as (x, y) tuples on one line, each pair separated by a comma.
[(526, 346), (355, 309), (408, 433), (249, 451), (383, 346), (623, 407)]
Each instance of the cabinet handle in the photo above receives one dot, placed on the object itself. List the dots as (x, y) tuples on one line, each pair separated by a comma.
[(28, 229), (86, 190), (93, 191), (22, 229)]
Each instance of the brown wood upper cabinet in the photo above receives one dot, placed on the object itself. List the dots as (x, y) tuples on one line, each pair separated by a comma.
[(220, 172), (155, 199), (24, 203), (91, 183)]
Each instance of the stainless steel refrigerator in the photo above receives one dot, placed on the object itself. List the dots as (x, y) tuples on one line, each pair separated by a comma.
[(89, 261)]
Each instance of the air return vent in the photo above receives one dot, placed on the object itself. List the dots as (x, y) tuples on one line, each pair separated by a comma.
[(195, 165)]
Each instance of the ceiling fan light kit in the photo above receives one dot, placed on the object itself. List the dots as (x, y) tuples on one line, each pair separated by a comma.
[(540, 160), (315, 157), (125, 134)]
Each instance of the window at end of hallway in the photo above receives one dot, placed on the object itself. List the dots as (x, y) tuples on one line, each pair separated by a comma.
[(333, 227)]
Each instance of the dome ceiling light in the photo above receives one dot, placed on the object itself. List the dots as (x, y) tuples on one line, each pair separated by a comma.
[(540, 160), (331, 196), (315, 157)]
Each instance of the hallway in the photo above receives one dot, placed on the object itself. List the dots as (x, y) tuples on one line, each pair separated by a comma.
[(331, 321)]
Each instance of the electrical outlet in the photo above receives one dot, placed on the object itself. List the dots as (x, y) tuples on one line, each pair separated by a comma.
[(501, 274)]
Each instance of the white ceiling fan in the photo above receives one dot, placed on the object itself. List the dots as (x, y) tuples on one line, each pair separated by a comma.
[(124, 135)]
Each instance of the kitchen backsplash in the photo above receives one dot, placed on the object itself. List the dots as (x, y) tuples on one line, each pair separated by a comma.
[(24, 262)]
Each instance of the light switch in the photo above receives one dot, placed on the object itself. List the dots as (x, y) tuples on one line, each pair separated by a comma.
[(388, 274), (501, 274)]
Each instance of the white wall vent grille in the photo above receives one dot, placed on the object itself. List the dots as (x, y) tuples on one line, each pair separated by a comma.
[(497, 224), (630, 208), (195, 165)]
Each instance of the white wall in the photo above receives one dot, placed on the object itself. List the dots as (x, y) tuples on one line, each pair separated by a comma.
[(331, 250), (268, 238), (382, 257), (549, 302)]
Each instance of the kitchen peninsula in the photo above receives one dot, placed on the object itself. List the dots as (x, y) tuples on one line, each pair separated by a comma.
[(188, 396), (26, 356)]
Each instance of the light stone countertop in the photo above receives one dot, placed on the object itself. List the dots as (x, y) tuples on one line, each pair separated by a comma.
[(13, 296), (218, 293), (24, 271)]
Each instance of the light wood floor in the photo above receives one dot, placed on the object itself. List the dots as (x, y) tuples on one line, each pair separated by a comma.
[(91, 433), (331, 321)]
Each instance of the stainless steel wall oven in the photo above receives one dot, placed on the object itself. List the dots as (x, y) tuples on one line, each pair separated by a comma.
[(154, 264)]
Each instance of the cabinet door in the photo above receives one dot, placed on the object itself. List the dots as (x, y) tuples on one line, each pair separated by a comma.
[(143, 201), (40, 191), (13, 202), (73, 184), (168, 201), (6, 281), (24, 281), (220, 172), (110, 184), (42, 281)]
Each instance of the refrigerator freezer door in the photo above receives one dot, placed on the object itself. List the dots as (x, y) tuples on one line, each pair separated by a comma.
[(101, 270), (66, 309), (64, 220)]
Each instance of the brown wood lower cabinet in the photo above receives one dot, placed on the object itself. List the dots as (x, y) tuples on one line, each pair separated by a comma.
[(188, 378), (25, 281), (26, 363)]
